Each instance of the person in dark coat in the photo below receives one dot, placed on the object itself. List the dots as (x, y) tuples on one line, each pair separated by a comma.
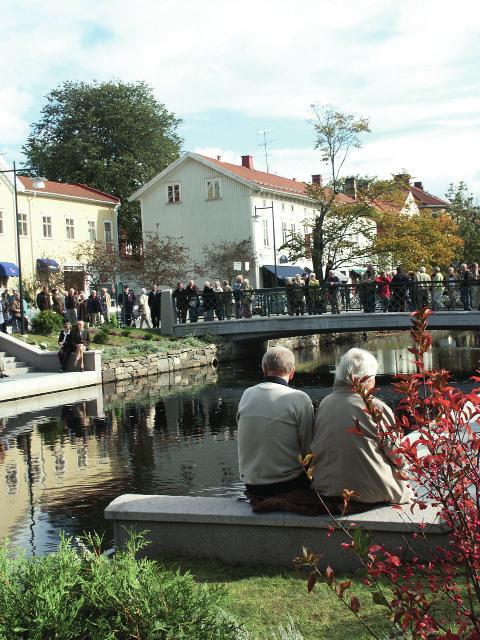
[(208, 296), (82, 308), (44, 302), (180, 297), (399, 290), (80, 341), (127, 301), (154, 303), (65, 344), (94, 306), (193, 295)]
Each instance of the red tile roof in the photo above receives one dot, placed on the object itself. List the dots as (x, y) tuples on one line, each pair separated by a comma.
[(425, 199), (269, 180), (69, 190)]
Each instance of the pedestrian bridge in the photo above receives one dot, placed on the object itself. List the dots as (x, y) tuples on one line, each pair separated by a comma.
[(279, 326)]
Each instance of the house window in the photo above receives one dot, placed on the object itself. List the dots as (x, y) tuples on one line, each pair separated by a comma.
[(22, 224), (107, 232), (92, 230), (283, 206), (284, 232), (70, 228), (292, 207), (47, 226), (213, 189), (264, 203), (1, 222), (306, 229), (293, 230), (173, 193), (266, 238)]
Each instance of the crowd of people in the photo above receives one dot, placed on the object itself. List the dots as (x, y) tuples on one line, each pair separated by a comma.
[(371, 290), (278, 429), (220, 301)]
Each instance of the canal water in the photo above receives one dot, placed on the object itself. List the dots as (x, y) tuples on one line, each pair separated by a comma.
[(61, 464)]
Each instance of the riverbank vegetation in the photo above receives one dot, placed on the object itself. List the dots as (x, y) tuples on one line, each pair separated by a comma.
[(116, 342)]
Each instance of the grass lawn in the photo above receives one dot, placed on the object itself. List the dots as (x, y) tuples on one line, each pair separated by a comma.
[(263, 598), (127, 342)]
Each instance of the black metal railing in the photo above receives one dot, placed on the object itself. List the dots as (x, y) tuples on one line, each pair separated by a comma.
[(296, 300)]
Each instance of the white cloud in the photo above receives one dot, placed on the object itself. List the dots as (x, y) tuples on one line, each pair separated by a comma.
[(409, 65)]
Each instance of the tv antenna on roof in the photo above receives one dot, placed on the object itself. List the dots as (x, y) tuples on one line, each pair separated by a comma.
[(265, 144)]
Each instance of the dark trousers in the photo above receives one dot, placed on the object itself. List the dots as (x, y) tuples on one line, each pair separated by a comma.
[(155, 314), (63, 356)]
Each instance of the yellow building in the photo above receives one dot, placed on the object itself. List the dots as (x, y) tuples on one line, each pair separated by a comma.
[(54, 218)]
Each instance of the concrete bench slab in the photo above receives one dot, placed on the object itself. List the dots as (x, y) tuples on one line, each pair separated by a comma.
[(226, 529)]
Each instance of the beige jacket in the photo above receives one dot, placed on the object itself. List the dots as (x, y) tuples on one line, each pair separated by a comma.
[(345, 460), (274, 428)]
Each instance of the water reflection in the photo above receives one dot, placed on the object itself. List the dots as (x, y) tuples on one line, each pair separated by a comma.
[(60, 465)]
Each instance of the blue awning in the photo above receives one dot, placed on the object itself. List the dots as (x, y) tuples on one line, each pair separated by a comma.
[(286, 271), (8, 269), (47, 264)]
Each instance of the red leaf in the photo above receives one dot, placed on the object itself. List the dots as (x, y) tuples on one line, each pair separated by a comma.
[(355, 604)]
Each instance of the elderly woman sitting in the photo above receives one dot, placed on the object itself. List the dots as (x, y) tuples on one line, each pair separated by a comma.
[(363, 463)]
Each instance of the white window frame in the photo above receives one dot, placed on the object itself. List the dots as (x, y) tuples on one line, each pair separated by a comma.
[(266, 233), (2, 222), (22, 223), (174, 193), (70, 228), (293, 229), (47, 225), (284, 233), (108, 223), (92, 226), (213, 187)]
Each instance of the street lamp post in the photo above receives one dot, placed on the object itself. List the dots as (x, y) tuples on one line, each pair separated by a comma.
[(17, 228), (274, 239)]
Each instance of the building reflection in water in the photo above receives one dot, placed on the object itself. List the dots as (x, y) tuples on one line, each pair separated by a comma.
[(60, 467)]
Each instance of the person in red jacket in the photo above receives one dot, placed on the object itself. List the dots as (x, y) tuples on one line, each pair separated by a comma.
[(383, 289)]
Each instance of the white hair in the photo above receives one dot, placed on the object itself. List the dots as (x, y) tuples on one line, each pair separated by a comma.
[(356, 363), (278, 360)]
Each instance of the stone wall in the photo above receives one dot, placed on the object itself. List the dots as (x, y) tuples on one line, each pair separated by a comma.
[(154, 364)]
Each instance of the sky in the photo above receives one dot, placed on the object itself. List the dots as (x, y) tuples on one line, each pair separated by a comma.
[(232, 69)]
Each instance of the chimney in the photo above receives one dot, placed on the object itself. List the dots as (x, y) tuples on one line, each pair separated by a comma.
[(219, 158), (317, 179), (419, 185), (247, 161), (351, 187)]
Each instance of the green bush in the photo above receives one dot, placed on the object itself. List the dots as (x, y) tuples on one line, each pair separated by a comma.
[(47, 322), (83, 595), (126, 333), (101, 338), (148, 336)]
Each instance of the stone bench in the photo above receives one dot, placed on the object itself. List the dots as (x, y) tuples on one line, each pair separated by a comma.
[(226, 529)]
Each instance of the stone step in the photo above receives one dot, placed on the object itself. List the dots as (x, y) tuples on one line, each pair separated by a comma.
[(17, 371), (11, 363)]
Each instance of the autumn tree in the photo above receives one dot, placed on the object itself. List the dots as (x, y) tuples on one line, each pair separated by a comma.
[(465, 211), (162, 260), (112, 136), (411, 241), (99, 264), (219, 258), (337, 221)]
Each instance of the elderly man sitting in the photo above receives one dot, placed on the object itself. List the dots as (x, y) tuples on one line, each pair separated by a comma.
[(343, 460), (274, 429)]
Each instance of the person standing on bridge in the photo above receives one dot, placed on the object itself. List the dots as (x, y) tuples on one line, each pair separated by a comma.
[(275, 429)]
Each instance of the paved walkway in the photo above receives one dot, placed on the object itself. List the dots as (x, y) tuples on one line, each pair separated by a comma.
[(38, 383)]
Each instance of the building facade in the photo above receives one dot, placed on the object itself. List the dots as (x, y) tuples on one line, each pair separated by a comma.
[(207, 201), (53, 220)]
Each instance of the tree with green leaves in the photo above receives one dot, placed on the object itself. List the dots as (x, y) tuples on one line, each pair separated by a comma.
[(219, 259), (112, 136), (336, 134), (465, 211), (100, 264)]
